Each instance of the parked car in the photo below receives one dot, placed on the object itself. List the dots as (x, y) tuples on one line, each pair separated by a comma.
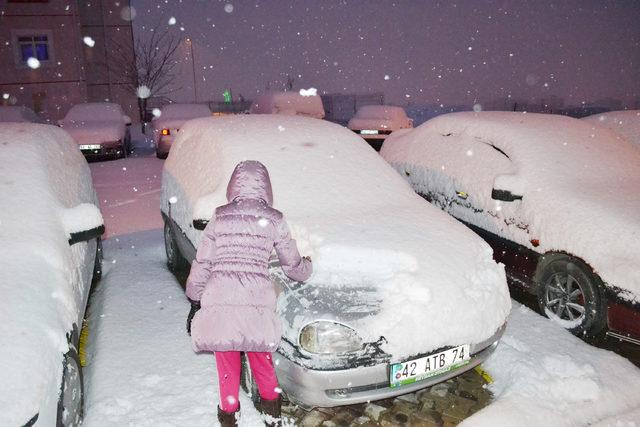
[(375, 122), (626, 123), (101, 129), (18, 113), (168, 123), (50, 252), (555, 197), (402, 296), (288, 103)]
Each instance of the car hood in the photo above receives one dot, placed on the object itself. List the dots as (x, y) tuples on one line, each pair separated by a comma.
[(94, 132)]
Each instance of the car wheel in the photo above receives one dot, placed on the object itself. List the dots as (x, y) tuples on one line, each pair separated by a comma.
[(97, 264), (175, 260), (71, 400), (161, 155), (571, 294), (248, 383)]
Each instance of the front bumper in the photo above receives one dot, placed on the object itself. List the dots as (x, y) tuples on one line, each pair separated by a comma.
[(327, 388), (106, 149)]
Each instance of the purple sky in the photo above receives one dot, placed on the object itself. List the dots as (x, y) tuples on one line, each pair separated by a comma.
[(416, 51)]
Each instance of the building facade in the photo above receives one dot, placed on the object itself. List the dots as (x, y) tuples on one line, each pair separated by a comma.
[(55, 54)]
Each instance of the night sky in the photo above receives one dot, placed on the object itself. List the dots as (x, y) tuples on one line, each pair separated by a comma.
[(455, 53)]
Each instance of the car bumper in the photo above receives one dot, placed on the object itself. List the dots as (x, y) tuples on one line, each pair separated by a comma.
[(327, 388), (164, 144)]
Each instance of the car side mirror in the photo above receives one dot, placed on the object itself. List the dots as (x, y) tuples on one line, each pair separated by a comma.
[(83, 222), (200, 224), (507, 188), (127, 120)]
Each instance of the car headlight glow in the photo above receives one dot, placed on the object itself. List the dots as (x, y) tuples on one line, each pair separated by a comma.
[(326, 337)]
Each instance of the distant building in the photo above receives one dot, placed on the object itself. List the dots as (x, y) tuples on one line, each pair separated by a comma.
[(54, 53)]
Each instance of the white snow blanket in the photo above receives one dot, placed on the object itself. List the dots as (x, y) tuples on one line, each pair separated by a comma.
[(138, 316), (626, 123), (579, 183), (357, 218), (43, 177), (544, 376)]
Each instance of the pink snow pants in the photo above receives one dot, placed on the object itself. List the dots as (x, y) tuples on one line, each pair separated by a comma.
[(229, 367)]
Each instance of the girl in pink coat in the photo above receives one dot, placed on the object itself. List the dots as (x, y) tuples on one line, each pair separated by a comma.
[(233, 299)]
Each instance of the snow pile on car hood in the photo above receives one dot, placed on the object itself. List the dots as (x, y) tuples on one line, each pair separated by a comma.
[(37, 282), (626, 123), (288, 103), (579, 183), (358, 220)]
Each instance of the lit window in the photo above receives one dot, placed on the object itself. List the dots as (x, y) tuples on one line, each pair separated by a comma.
[(36, 46)]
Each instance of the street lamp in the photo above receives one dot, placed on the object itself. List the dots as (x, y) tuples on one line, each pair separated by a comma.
[(193, 69)]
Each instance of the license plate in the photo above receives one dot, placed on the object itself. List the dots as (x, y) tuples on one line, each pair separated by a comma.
[(368, 132), (90, 147), (419, 369)]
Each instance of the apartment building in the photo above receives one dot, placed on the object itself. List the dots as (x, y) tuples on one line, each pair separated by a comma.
[(55, 53)]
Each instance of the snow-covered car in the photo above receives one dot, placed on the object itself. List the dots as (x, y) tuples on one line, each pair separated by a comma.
[(18, 114), (626, 123), (375, 122), (402, 295), (555, 197), (101, 129), (288, 103), (50, 253), (169, 122)]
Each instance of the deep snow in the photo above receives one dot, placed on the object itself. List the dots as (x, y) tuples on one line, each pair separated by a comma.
[(142, 370)]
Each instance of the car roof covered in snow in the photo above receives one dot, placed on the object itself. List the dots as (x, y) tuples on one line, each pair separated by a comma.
[(43, 175), (95, 111), (380, 112), (355, 216), (579, 182), (626, 123), (289, 103), (184, 111)]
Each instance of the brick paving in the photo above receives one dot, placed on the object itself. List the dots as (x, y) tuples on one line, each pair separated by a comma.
[(443, 405)]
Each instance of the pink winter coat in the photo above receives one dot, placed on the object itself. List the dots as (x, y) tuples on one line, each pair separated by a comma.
[(230, 274)]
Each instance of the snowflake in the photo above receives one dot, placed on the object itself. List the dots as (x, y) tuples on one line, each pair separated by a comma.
[(33, 63), (89, 41), (228, 8), (143, 92), (312, 91), (172, 21)]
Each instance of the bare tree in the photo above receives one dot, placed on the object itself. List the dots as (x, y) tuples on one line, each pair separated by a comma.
[(148, 69)]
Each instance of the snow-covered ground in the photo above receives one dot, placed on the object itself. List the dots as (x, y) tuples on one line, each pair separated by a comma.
[(142, 370)]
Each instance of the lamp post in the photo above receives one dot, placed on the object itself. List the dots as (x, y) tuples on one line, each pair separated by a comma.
[(193, 69)]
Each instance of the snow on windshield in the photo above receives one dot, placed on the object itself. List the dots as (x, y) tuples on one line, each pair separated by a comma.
[(355, 216)]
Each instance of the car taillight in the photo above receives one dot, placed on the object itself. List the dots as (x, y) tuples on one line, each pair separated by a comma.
[(166, 132)]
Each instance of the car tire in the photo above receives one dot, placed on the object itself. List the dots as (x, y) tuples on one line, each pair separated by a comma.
[(97, 263), (161, 155), (175, 261), (570, 291), (248, 383), (71, 400)]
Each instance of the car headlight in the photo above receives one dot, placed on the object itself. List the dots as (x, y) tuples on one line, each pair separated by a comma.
[(326, 337)]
